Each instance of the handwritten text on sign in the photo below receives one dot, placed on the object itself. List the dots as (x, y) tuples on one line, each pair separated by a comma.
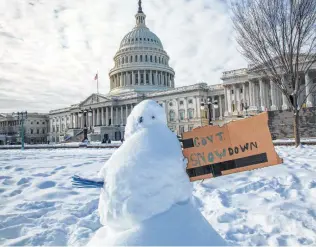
[(238, 146)]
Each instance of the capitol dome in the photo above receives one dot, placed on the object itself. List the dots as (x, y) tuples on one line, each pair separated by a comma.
[(141, 63), (141, 36)]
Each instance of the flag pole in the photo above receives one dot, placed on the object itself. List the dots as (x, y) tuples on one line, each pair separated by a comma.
[(98, 86), (98, 82)]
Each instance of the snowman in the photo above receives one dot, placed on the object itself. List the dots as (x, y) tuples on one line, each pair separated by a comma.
[(146, 198)]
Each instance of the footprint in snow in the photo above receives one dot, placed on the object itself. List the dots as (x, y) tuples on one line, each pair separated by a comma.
[(46, 185)]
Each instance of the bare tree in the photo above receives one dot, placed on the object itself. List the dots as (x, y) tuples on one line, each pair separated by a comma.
[(278, 38)]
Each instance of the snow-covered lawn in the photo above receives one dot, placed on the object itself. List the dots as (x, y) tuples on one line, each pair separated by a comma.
[(271, 206)]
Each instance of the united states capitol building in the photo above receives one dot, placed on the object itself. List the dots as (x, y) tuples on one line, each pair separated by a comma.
[(141, 71)]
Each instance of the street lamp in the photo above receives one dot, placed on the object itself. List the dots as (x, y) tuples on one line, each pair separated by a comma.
[(209, 106), (83, 113), (21, 116)]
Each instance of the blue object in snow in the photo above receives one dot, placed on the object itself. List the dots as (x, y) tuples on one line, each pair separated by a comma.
[(80, 182)]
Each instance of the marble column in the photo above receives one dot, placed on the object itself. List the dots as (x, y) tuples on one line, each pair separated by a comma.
[(150, 77), (238, 96), (235, 97), (273, 95), (285, 102), (262, 95), (156, 78), (98, 117), (244, 94), (308, 86), (186, 115), (122, 116), (220, 107), (106, 116), (112, 117), (71, 121), (133, 78), (117, 121), (102, 116), (226, 100), (198, 107), (126, 108)]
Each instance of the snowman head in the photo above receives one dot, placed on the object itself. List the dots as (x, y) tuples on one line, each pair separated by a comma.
[(145, 115)]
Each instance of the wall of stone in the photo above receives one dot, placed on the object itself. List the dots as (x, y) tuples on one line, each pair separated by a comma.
[(281, 123)]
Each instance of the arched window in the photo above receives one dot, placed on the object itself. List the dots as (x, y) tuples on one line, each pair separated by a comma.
[(159, 60), (131, 60), (151, 58), (172, 116), (155, 59), (126, 59), (146, 58), (136, 58), (141, 58)]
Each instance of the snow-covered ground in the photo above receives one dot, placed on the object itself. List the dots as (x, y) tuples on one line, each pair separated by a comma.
[(271, 206)]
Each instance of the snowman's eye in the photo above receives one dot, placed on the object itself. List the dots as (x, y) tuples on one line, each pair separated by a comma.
[(140, 120), (153, 117)]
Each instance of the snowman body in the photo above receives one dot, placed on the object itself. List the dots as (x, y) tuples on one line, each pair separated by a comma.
[(147, 195)]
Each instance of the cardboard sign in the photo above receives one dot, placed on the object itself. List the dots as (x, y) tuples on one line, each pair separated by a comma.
[(238, 146)]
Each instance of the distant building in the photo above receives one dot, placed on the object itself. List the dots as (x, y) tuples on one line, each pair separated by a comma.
[(36, 129)]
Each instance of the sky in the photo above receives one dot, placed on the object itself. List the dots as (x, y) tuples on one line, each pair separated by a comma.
[(50, 50)]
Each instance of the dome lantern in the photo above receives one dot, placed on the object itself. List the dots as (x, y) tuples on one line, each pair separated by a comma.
[(140, 16)]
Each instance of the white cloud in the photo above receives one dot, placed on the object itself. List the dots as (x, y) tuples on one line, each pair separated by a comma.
[(51, 50)]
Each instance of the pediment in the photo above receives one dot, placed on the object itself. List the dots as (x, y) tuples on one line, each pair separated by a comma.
[(93, 99)]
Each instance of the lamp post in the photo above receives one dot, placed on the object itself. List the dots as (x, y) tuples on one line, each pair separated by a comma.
[(21, 116), (209, 106), (83, 113)]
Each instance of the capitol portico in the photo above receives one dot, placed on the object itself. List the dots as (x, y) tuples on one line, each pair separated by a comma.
[(141, 71)]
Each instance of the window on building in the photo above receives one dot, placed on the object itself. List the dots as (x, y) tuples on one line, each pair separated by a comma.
[(170, 103), (146, 58), (31, 130), (159, 59), (136, 58), (172, 116), (57, 129), (131, 59), (53, 129), (181, 102), (37, 122), (151, 58), (190, 127), (141, 58), (181, 114), (155, 59), (43, 130), (190, 113), (37, 131), (31, 122), (232, 91), (190, 101), (43, 122)]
